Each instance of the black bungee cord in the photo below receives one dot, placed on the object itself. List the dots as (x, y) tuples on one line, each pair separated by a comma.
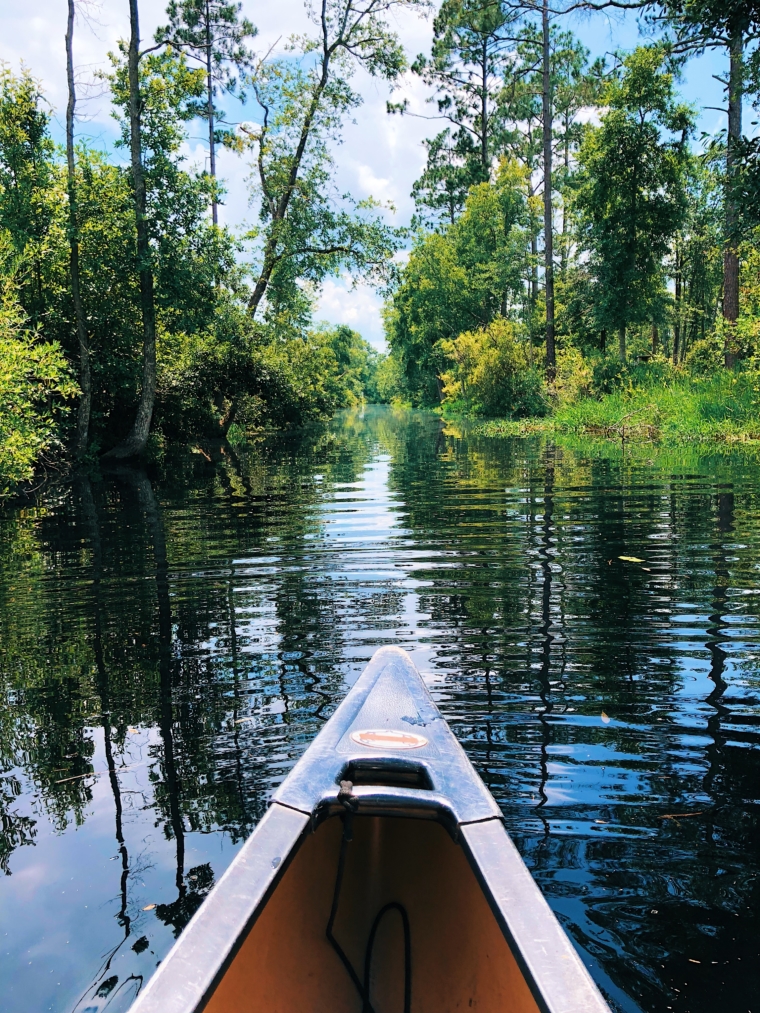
[(349, 803)]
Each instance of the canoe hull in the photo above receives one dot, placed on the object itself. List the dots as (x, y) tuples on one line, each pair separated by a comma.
[(402, 892)]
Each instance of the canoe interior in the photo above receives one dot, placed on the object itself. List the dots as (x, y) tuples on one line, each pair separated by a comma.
[(460, 959)]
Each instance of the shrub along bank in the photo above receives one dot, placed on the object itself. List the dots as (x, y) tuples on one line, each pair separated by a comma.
[(652, 401)]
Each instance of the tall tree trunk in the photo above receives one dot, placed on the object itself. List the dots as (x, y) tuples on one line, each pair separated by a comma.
[(135, 442), (731, 253), (210, 107), (655, 339), (677, 314), (621, 342), (564, 252), (85, 380), (533, 275), (551, 359), (484, 112)]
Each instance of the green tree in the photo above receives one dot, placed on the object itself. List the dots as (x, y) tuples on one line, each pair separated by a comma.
[(460, 278), (154, 94), (34, 381), (470, 53), (441, 191), (135, 442), (305, 231), (491, 373), (26, 177), (631, 196), (572, 86), (700, 25), (213, 33), (696, 265)]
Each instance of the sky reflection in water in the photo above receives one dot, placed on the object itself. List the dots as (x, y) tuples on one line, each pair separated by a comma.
[(170, 643)]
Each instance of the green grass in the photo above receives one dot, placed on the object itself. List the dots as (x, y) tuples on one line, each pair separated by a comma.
[(723, 407)]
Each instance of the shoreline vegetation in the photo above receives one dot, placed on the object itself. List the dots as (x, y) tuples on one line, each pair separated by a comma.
[(724, 408)]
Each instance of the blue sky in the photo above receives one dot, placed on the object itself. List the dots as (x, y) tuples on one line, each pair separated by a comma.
[(380, 156)]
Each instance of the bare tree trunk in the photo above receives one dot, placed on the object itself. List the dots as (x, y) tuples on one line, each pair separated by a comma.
[(135, 442), (564, 251), (731, 253), (484, 112), (210, 107), (677, 314), (533, 275), (655, 339), (551, 358), (85, 379)]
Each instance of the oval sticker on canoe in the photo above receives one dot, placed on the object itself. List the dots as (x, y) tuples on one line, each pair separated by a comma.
[(388, 738)]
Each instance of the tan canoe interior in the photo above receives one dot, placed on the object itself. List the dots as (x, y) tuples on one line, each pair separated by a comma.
[(460, 959)]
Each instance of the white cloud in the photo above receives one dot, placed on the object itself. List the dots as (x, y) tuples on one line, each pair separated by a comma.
[(358, 308)]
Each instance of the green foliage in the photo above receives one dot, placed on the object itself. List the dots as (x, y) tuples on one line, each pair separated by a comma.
[(34, 381), (491, 374), (212, 33), (631, 194), (463, 276), (390, 381), (657, 402), (721, 406), (356, 362), (211, 387), (26, 176)]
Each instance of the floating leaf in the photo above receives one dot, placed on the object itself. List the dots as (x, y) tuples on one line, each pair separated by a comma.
[(631, 559), (605, 718), (149, 907)]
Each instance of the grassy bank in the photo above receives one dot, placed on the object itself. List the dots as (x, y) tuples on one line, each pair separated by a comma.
[(722, 407)]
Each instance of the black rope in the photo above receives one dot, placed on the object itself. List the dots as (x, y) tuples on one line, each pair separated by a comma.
[(393, 906), (347, 821), (349, 803)]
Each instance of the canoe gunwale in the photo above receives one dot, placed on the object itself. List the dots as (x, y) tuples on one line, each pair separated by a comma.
[(552, 968), (199, 959)]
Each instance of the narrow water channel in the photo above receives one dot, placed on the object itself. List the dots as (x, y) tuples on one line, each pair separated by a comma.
[(587, 617)]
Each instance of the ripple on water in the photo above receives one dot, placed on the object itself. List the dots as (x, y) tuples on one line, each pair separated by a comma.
[(170, 644)]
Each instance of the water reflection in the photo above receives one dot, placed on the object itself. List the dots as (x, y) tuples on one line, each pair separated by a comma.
[(587, 618)]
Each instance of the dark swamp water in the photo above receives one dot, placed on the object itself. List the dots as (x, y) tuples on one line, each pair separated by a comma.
[(171, 642)]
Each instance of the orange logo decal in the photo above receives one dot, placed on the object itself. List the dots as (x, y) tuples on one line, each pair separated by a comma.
[(388, 738)]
